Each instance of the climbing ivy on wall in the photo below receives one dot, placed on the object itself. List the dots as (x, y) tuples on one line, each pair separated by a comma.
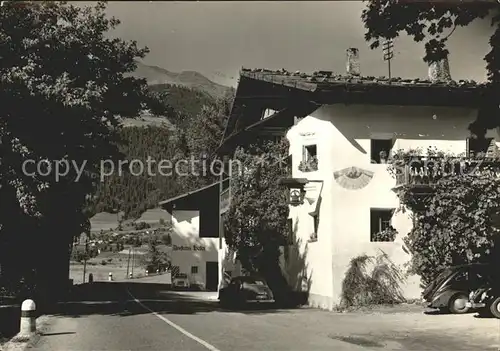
[(456, 222)]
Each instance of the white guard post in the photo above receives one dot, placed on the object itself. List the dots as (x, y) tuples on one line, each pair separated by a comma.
[(110, 276), (28, 318)]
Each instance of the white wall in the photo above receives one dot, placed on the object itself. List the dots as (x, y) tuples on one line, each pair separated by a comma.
[(342, 134), (186, 229)]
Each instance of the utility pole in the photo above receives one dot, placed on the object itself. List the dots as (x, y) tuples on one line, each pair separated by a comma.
[(128, 263), (85, 257), (133, 261), (388, 49)]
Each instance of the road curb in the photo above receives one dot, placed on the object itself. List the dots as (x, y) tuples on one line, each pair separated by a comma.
[(21, 343)]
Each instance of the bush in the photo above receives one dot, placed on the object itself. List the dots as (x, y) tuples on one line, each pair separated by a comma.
[(381, 286), (103, 262), (141, 226)]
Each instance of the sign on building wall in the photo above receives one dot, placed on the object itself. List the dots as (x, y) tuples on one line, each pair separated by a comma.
[(188, 248)]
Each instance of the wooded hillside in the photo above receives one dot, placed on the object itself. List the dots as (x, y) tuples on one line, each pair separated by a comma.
[(198, 119)]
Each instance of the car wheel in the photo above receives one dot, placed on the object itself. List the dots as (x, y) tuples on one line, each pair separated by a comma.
[(495, 307), (457, 304)]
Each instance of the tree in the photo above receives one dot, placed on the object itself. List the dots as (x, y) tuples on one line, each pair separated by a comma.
[(64, 91), (206, 128), (255, 225), (166, 239), (202, 139), (155, 259), (434, 23)]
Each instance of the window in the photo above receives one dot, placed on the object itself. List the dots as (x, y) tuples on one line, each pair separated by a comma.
[(309, 161), (194, 269), (380, 220), (380, 150), (309, 152), (478, 146)]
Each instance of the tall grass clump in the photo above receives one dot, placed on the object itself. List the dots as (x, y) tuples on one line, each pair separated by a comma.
[(372, 281)]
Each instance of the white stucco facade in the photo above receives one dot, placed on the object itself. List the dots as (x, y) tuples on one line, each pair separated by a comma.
[(342, 135), (191, 253)]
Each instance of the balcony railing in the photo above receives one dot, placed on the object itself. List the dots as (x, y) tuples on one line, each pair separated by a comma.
[(424, 172)]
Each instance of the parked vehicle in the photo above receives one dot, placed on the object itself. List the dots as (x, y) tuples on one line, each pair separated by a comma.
[(243, 290), (451, 289), (180, 281), (486, 299)]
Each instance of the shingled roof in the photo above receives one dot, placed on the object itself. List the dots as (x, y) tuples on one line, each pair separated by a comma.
[(293, 94), (327, 79)]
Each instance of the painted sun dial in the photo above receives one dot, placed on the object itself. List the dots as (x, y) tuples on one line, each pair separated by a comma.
[(353, 178)]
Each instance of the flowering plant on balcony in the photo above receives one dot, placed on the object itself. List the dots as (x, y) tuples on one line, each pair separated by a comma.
[(310, 165), (388, 234), (430, 161)]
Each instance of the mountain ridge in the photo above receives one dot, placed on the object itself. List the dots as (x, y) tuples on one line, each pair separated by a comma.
[(156, 75)]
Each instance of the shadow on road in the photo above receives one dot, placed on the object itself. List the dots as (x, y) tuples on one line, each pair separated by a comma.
[(478, 313), (113, 298)]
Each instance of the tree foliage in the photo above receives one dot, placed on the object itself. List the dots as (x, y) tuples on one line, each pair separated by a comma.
[(155, 258), (206, 128), (457, 222), (434, 23), (198, 135), (255, 225), (64, 92)]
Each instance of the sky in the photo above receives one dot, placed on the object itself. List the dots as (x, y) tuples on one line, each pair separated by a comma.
[(217, 39)]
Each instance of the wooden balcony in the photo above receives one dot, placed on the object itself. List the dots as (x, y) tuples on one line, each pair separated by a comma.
[(421, 174)]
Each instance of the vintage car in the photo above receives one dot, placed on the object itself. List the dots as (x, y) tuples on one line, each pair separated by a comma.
[(245, 290), (486, 299), (180, 281), (451, 289)]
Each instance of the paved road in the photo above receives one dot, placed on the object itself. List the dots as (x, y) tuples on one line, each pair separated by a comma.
[(151, 318)]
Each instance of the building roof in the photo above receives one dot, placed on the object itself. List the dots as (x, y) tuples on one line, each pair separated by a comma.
[(173, 199), (327, 79), (299, 94), (194, 192)]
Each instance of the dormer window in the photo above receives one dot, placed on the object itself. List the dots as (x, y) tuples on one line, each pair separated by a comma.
[(380, 150), (309, 161), (478, 148)]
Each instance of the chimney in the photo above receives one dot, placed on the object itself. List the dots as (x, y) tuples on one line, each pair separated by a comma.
[(439, 71), (353, 62)]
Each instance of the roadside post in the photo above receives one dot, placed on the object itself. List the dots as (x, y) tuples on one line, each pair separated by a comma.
[(28, 318), (110, 276)]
